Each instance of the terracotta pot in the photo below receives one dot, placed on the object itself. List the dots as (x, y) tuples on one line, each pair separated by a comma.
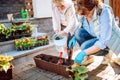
[(8, 75)]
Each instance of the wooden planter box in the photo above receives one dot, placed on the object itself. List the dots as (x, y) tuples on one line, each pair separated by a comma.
[(49, 63), (6, 76)]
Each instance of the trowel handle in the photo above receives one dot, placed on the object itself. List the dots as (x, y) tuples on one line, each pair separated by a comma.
[(70, 53)]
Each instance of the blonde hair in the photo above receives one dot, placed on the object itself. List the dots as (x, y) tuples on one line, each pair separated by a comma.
[(54, 1), (100, 0), (57, 1)]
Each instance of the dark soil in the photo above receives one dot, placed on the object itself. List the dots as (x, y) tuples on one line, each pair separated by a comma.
[(58, 38), (56, 60)]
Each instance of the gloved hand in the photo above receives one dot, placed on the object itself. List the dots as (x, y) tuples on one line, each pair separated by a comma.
[(72, 42), (79, 58)]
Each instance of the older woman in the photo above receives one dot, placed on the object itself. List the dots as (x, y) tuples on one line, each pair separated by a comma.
[(95, 29), (63, 16)]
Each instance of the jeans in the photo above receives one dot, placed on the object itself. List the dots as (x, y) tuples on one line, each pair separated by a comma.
[(85, 40)]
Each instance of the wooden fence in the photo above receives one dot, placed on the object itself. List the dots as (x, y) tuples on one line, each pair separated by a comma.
[(115, 4)]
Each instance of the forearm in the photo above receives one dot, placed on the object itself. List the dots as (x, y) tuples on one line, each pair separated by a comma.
[(92, 50)]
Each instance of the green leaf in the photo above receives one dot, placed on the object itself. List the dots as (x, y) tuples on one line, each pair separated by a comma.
[(67, 69), (1, 68), (83, 76), (5, 68), (82, 69), (77, 76)]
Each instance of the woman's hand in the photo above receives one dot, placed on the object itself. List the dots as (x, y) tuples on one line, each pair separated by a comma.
[(63, 33), (56, 31), (72, 42), (80, 57)]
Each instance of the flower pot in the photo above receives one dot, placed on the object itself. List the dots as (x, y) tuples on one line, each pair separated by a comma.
[(3, 38), (17, 36), (27, 35), (6, 76), (49, 62)]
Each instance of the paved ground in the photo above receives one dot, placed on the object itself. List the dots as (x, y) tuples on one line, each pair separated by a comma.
[(25, 69)]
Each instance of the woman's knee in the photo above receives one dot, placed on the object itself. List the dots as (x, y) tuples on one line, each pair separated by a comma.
[(88, 43)]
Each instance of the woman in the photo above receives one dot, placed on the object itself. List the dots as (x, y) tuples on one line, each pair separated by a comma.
[(95, 28), (63, 16)]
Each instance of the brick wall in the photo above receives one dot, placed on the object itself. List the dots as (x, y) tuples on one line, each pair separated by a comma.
[(10, 6)]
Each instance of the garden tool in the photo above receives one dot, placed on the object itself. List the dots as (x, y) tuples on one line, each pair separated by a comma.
[(69, 50)]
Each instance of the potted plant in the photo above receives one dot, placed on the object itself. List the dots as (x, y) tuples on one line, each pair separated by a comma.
[(24, 29), (2, 32), (5, 67), (24, 44), (40, 41), (31, 43), (43, 40), (8, 33), (46, 40), (77, 72)]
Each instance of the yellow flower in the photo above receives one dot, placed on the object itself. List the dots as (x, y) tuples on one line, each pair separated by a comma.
[(23, 40), (5, 62), (5, 58), (20, 47), (2, 58), (28, 39), (9, 58), (28, 42), (16, 42)]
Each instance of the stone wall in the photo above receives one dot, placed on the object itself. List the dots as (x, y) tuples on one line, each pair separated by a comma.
[(44, 25)]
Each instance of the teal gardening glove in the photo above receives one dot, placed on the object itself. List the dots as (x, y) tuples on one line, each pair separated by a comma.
[(72, 42), (79, 58)]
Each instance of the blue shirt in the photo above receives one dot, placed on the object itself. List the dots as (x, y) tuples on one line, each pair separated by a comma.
[(105, 26)]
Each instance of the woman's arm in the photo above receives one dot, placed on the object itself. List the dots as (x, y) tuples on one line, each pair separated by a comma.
[(72, 23), (92, 50), (55, 19)]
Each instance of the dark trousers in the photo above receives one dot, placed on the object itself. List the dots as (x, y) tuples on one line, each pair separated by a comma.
[(85, 40)]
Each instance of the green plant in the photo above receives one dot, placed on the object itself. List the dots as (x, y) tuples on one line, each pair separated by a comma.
[(43, 40), (5, 62), (2, 28), (24, 43), (26, 27), (17, 44), (6, 31), (77, 72)]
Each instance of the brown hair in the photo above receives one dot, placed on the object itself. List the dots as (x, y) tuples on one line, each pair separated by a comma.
[(88, 4)]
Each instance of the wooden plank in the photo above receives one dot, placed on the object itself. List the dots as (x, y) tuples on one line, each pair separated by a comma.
[(114, 9), (119, 8)]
